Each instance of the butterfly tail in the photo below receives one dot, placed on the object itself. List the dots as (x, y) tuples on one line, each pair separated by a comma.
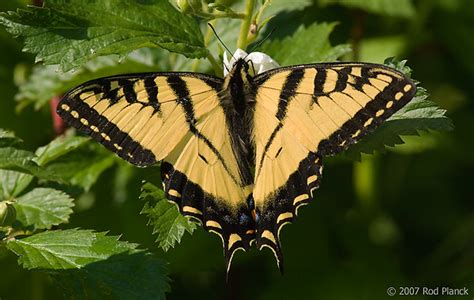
[(267, 238)]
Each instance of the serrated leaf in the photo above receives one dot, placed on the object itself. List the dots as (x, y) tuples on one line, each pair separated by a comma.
[(293, 50), (58, 147), (72, 33), (165, 217), (8, 138), (66, 249), (83, 166), (132, 276), (399, 8), (46, 82), (12, 183), (43, 208), (23, 161)]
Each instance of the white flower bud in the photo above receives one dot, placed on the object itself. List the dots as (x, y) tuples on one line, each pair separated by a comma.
[(260, 61)]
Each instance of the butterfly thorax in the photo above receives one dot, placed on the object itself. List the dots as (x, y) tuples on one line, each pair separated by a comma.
[(240, 87), (238, 98)]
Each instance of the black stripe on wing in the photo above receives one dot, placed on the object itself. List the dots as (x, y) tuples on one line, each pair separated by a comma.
[(286, 95), (393, 97), (87, 120), (113, 89)]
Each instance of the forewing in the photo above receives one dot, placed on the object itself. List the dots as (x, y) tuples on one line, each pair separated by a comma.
[(303, 113), (175, 118)]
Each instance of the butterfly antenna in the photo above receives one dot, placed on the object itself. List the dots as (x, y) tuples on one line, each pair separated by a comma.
[(262, 40), (215, 33), (253, 67)]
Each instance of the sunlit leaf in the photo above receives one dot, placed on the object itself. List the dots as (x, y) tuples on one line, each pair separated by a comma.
[(82, 165), (46, 82), (43, 207), (58, 147), (72, 33), (23, 161), (66, 249), (168, 224)]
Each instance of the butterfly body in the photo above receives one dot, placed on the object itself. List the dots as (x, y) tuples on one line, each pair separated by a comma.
[(240, 154)]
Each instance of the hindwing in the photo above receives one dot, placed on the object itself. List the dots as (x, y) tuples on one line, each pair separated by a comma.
[(303, 113), (176, 118)]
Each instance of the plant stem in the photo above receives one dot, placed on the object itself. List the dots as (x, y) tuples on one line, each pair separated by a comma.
[(258, 17), (244, 28), (221, 15)]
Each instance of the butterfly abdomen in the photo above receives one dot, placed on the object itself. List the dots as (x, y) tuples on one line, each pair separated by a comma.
[(237, 98)]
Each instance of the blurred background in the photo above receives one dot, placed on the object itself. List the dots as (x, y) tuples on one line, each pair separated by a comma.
[(403, 218)]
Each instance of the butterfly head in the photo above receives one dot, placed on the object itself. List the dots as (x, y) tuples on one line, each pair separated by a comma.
[(253, 63)]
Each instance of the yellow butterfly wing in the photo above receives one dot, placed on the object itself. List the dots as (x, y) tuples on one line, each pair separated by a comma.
[(176, 118), (303, 113)]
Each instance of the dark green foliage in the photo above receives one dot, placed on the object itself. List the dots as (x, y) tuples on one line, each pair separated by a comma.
[(70, 35), (403, 218)]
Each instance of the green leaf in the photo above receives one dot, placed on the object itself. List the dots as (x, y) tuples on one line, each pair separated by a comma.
[(165, 217), (292, 50), (66, 249), (23, 161), (72, 33), (92, 265), (43, 208), (8, 138), (82, 166), (13, 183), (59, 147), (418, 115), (45, 82), (132, 276), (399, 8)]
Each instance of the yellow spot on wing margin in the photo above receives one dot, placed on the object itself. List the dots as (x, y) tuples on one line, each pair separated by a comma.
[(174, 193), (356, 133), (214, 224), (311, 179), (300, 198), (191, 209), (284, 216), (368, 122), (233, 238), (398, 95), (106, 137), (269, 235)]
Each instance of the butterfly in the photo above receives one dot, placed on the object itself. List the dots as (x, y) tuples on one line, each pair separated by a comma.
[(242, 153)]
